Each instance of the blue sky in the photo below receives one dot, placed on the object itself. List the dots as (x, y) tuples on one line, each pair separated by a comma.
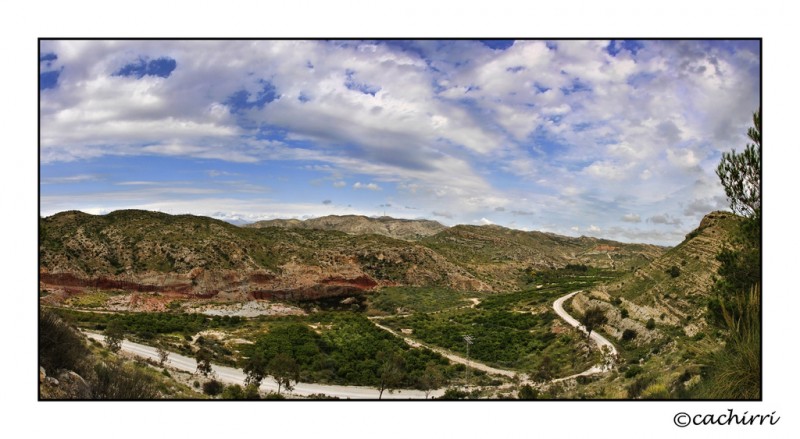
[(614, 139)]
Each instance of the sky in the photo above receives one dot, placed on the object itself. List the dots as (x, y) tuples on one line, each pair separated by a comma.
[(604, 138)]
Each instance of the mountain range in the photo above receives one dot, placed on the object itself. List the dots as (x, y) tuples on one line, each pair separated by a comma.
[(332, 255)]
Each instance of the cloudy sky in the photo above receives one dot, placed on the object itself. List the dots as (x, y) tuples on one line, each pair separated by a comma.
[(614, 139)]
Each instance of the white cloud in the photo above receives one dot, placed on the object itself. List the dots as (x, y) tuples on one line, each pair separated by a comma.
[(445, 123), (369, 186), (485, 222)]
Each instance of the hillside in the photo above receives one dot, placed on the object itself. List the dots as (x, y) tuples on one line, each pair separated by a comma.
[(499, 256), (673, 288), (405, 229), (153, 252), (184, 254), (662, 307)]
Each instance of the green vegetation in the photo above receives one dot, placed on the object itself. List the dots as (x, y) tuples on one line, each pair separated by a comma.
[(419, 299), (146, 325), (106, 376), (343, 348), (593, 318), (735, 371)]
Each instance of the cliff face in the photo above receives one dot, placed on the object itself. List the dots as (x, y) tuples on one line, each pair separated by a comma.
[(189, 255)]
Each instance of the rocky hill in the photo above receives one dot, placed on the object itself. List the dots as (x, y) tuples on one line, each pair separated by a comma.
[(405, 229), (144, 251), (672, 289), (499, 255)]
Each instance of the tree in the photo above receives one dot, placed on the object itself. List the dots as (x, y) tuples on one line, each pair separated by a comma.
[(592, 318), (740, 174), (114, 336), (431, 379), (735, 306), (203, 358), (163, 355), (284, 370), (213, 387), (391, 371), (256, 370)]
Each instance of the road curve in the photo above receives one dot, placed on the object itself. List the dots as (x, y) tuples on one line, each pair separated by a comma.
[(558, 307), (232, 375)]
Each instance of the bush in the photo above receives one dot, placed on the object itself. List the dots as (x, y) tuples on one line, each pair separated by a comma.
[(651, 324), (624, 313), (628, 335), (455, 393), (674, 271), (115, 380), (527, 392), (633, 371), (212, 388), (60, 346)]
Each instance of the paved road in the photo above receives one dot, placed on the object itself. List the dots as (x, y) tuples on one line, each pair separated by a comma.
[(232, 375), (601, 341)]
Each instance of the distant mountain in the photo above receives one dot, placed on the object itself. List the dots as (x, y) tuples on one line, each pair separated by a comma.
[(409, 230), (186, 254), (497, 255)]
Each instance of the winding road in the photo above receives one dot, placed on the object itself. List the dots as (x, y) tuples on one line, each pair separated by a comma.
[(602, 342), (230, 375)]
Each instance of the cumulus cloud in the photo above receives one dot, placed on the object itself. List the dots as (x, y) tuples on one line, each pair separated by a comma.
[(368, 186), (449, 124), (485, 222)]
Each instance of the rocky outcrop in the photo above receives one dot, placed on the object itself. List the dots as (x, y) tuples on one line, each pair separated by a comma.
[(67, 385)]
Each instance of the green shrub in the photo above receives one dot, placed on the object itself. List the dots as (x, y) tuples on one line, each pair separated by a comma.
[(628, 335), (60, 346), (633, 371), (651, 324), (213, 387)]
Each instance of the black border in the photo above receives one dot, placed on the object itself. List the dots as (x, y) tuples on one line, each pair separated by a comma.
[(39, 195)]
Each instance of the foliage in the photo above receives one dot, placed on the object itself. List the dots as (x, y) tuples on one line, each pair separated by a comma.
[(345, 348), (114, 336), (391, 371), (628, 334), (284, 370), (674, 271), (60, 346), (116, 380), (651, 324), (163, 355), (213, 387), (203, 359), (740, 174), (418, 299), (593, 318), (527, 392), (146, 325), (432, 378), (734, 372)]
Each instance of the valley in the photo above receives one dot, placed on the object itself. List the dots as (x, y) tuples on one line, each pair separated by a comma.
[(376, 304)]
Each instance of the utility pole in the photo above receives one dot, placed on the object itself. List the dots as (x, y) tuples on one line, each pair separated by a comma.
[(468, 340)]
